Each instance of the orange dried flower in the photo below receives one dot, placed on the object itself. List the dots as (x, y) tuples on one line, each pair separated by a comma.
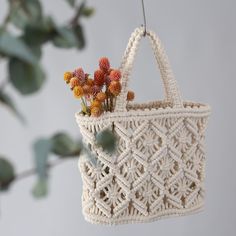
[(101, 97), (104, 64), (74, 82), (86, 89), (95, 103), (90, 82), (96, 111), (115, 75), (130, 96), (78, 91), (79, 73), (99, 77), (67, 76), (115, 87)]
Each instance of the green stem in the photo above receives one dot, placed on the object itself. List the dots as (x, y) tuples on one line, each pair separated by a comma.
[(85, 105), (74, 21)]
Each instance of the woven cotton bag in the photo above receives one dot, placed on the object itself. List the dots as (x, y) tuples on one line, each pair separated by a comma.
[(158, 168)]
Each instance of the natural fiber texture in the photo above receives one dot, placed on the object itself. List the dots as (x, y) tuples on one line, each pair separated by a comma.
[(159, 166)]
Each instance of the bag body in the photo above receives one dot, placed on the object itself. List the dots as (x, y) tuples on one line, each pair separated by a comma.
[(158, 168)]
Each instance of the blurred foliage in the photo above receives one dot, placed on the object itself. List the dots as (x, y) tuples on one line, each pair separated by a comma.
[(6, 100), (64, 146), (23, 50), (60, 144), (7, 173), (106, 140), (24, 32)]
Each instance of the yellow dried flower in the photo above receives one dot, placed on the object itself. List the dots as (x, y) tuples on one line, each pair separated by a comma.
[(74, 82), (130, 96), (101, 97), (78, 91), (67, 76), (96, 111), (96, 103)]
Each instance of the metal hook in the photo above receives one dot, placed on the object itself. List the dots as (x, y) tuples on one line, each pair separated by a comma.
[(144, 19)]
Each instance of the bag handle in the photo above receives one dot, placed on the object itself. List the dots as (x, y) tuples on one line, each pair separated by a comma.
[(172, 93)]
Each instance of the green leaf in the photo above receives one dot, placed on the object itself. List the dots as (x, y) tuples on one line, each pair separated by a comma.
[(6, 100), (15, 47), (38, 33), (7, 174), (87, 11), (36, 50), (107, 140), (64, 146), (65, 38), (26, 78), (71, 2), (42, 148), (79, 33), (90, 156), (25, 12), (41, 188)]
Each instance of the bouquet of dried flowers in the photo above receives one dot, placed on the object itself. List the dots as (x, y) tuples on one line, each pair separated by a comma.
[(97, 94)]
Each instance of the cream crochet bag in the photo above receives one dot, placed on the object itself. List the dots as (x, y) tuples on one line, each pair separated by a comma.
[(158, 169)]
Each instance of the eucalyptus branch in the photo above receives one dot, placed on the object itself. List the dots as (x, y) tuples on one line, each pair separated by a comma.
[(8, 16), (75, 19), (6, 20), (33, 171)]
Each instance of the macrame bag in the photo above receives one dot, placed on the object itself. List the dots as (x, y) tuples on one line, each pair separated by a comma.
[(158, 168)]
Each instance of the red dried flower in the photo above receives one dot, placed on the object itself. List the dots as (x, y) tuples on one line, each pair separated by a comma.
[(104, 64), (95, 89), (79, 73), (115, 75), (99, 77)]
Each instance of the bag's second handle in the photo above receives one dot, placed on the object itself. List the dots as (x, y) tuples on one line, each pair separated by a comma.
[(172, 93)]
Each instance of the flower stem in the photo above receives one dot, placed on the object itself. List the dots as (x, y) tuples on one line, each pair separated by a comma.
[(85, 105)]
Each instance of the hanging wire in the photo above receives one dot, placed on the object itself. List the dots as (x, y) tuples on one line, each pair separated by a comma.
[(144, 19)]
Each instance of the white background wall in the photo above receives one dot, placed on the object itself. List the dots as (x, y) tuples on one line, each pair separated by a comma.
[(200, 39)]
